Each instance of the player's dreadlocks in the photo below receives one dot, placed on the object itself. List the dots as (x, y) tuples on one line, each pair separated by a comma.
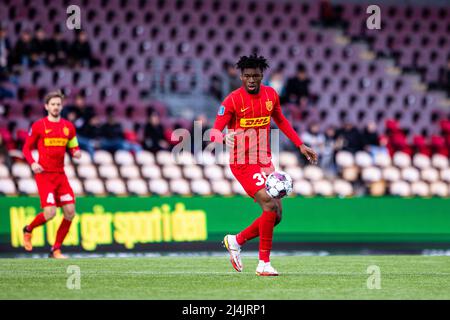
[(252, 62)]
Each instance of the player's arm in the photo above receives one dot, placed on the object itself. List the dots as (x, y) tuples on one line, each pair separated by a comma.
[(223, 117), (30, 145), (287, 129), (72, 145)]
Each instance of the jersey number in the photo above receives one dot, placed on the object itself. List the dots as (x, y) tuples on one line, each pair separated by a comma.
[(261, 178)]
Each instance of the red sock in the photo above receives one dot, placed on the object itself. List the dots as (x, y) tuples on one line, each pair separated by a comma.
[(61, 234), (252, 231), (38, 221), (266, 225)]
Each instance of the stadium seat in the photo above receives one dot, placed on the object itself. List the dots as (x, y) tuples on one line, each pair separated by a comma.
[(221, 187), (179, 186), (123, 158), (116, 186), (237, 188), (7, 187), (439, 161), (402, 159), (70, 171), (85, 158), (439, 189), (410, 174), (312, 173), (77, 186), (371, 174), (382, 160), (137, 186), (345, 159), (171, 172), (377, 188), (420, 188), (184, 158), (108, 171), (158, 186), (27, 186), (164, 158), (391, 174), (94, 186), (205, 158), (21, 170), (342, 188), (87, 171), (421, 161), (200, 187), (288, 159), (103, 157), (228, 173), (363, 159), (4, 172), (400, 188), (296, 173), (303, 188), (323, 188), (445, 175), (213, 173), (192, 172), (350, 173), (144, 158), (129, 171), (151, 171), (430, 175)]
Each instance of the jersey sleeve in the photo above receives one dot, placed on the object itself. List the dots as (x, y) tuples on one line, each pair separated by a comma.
[(73, 141), (284, 124), (224, 115), (30, 142)]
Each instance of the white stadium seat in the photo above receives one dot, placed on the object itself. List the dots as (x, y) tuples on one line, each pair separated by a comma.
[(116, 186), (439, 161), (21, 170), (228, 174), (402, 159), (222, 187), (420, 188), (70, 171), (421, 161), (179, 186), (342, 188), (123, 158), (201, 187), (151, 171), (237, 188), (323, 188), (206, 158), (345, 159), (288, 159), (371, 174), (391, 174), (350, 173), (382, 160), (85, 158), (171, 172), (445, 175), (184, 158), (430, 175), (303, 187), (312, 173), (439, 189), (28, 186), (77, 186), (296, 173), (164, 157), (87, 171), (4, 172), (410, 174), (363, 159), (137, 186), (192, 172), (145, 157), (7, 186), (400, 188), (94, 186), (158, 186), (108, 171), (103, 157), (129, 172), (213, 172)]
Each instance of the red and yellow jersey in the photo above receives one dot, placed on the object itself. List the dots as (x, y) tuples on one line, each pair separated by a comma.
[(51, 140), (252, 114)]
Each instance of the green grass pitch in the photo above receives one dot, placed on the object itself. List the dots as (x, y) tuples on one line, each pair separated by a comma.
[(212, 277)]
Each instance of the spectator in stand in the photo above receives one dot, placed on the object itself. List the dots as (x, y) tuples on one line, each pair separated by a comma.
[(297, 86), (349, 138), (371, 141), (81, 51), (231, 76), (40, 47), (154, 139), (79, 112), (5, 49), (276, 81), (314, 139), (326, 161), (58, 50), (88, 135), (112, 136), (22, 54)]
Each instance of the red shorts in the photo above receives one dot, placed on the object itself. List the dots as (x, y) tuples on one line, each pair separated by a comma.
[(54, 189), (252, 177)]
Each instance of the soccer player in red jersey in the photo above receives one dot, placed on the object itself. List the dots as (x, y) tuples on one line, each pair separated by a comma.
[(52, 135), (247, 112)]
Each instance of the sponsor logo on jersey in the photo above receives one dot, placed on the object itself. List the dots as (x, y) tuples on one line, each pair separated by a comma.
[(221, 111), (269, 105), (48, 131), (55, 142), (254, 122), (65, 198), (66, 131), (50, 198)]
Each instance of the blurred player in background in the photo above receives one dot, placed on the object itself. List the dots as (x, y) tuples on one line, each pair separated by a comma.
[(52, 135), (247, 112)]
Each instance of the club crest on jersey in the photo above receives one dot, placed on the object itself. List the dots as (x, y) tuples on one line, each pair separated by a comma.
[(269, 105), (221, 111), (66, 131)]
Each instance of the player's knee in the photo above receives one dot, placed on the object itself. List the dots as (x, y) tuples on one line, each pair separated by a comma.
[(270, 205), (49, 213), (69, 213)]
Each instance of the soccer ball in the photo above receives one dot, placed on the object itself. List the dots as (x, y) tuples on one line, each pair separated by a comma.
[(278, 184)]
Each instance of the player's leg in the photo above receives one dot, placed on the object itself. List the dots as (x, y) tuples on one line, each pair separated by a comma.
[(271, 214)]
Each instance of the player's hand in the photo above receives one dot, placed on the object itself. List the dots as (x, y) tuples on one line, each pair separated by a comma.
[(77, 154), (36, 167), (309, 153), (229, 138)]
